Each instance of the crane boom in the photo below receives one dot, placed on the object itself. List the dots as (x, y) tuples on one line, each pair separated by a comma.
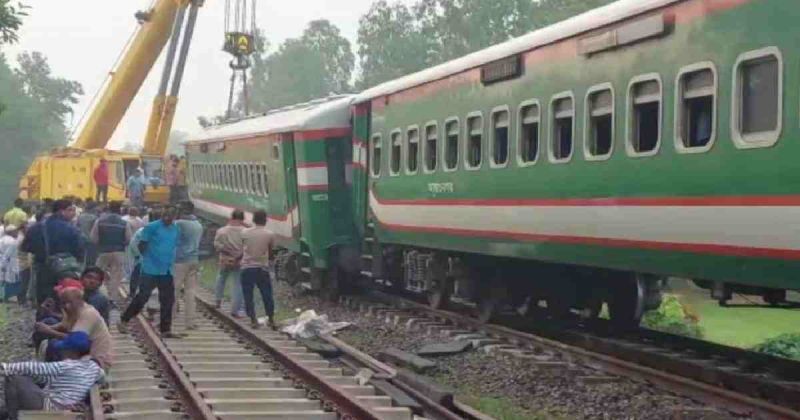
[(157, 25)]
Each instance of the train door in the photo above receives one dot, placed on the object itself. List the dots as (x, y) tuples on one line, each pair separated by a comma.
[(361, 162), (282, 181)]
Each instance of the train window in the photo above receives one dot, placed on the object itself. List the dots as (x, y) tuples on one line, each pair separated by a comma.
[(757, 111), (376, 155), (235, 177), (431, 151), (474, 153), (451, 145), (397, 144), (644, 115), (696, 113), (501, 124), (219, 178), (562, 109), (412, 150), (266, 179), (528, 133), (599, 125), (276, 150)]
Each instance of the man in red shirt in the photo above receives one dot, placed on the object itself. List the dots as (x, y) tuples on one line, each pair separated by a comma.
[(101, 180)]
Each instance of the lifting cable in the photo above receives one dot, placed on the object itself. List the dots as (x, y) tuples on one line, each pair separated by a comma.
[(240, 30)]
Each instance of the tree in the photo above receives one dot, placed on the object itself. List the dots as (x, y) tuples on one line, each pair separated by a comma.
[(390, 44), (397, 40), (460, 27), (338, 60), (11, 14), (33, 120), (55, 94), (318, 63)]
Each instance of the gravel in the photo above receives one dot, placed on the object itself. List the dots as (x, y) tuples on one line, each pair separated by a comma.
[(519, 389), (16, 327)]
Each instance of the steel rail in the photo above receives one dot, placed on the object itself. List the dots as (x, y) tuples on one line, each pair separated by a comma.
[(731, 400), (346, 404), (196, 407)]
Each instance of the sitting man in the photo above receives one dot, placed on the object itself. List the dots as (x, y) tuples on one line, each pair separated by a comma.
[(92, 278), (67, 383), (79, 316)]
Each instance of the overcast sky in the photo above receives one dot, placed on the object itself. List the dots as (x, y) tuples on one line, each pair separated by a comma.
[(82, 38)]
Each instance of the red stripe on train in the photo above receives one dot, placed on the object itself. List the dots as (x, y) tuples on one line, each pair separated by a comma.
[(721, 201), (716, 249)]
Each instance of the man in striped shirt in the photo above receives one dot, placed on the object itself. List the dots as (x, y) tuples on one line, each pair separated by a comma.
[(66, 383)]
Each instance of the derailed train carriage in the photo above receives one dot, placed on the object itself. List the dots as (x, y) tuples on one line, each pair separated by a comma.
[(294, 163), (579, 164)]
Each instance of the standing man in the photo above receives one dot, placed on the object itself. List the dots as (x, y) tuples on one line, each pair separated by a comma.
[(228, 243), (62, 238), (112, 235), (171, 178), (187, 259), (257, 243), (9, 264), (157, 246), (133, 219), (86, 222), (136, 185), (101, 180), (17, 215)]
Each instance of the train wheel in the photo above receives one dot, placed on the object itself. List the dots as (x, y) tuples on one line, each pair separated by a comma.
[(439, 293), (331, 285), (626, 304), (489, 301), (774, 297)]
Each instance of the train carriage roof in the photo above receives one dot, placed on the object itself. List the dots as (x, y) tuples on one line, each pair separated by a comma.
[(319, 114), (576, 25)]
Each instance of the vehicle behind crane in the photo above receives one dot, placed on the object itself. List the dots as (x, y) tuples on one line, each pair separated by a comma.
[(68, 171)]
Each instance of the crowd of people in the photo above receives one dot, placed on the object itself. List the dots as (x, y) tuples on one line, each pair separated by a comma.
[(69, 259)]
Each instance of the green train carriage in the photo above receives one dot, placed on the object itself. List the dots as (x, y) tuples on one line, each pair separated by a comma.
[(292, 162), (590, 160)]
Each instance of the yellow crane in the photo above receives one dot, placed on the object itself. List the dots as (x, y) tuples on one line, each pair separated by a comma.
[(68, 171)]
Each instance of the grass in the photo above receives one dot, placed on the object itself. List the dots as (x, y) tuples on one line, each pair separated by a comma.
[(208, 279), (501, 408), (743, 326)]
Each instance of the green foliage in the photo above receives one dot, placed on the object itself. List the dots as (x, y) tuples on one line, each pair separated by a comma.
[(784, 345), (391, 43), (673, 318), (318, 63), (11, 14), (36, 104), (395, 40)]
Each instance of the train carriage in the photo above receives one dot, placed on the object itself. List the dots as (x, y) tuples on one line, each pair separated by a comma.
[(291, 162), (590, 160)]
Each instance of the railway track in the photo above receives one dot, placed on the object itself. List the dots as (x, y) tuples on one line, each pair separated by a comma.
[(740, 381), (224, 369)]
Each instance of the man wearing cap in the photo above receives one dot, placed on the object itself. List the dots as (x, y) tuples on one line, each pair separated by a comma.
[(80, 316), (68, 381)]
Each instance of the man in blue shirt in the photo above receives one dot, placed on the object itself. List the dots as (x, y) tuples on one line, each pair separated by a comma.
[(136, 185), (187, 262), (157, 245), (62, 238)]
